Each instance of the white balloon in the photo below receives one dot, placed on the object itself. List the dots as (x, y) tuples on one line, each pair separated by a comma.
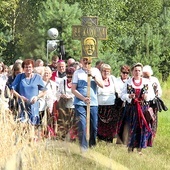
[(52, 33)]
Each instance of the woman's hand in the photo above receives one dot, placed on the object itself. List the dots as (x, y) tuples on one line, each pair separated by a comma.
[(24, 98), (132, 96), (144, 96), (34, 99)]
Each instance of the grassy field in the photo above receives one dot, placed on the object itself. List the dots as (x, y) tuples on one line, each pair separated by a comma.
[(19, 152)]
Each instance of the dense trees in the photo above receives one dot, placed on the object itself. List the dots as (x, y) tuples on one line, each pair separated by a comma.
[(138, 31), (61, 16)]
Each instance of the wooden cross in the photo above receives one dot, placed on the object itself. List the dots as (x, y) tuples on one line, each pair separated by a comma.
[(89, 33), (89, 30)]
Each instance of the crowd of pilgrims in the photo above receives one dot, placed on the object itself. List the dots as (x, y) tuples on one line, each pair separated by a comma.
[(123, 108)]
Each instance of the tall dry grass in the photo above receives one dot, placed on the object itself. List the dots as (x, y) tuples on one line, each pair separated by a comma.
[(19, 150)]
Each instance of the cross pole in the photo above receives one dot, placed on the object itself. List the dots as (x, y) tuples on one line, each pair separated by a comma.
[(89, 33)]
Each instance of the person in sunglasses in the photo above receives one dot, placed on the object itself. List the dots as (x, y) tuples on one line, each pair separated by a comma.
[(122, 136), (124, 75), (79, 89), (66, 115)]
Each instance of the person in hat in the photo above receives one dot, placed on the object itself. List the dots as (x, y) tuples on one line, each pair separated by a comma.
[(136, 93)]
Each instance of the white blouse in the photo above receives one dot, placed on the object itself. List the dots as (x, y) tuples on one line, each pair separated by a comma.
[(154, 81), (125, 94), (121, 83), (106, 95), (63, 88), (50, 97)]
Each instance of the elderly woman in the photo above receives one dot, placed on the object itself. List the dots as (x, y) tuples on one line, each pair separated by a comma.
[(137, 92), (108, 115), (47, 102), (147, 73), (16, 69), (26, 87), (51, 94)]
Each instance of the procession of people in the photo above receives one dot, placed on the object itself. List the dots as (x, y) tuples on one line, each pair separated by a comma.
[(58, 92)]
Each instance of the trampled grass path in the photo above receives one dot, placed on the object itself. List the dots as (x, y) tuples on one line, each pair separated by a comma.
[(92, 155)]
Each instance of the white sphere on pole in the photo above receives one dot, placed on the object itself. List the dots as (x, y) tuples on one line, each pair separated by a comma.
[(51, 45), (52, 33)]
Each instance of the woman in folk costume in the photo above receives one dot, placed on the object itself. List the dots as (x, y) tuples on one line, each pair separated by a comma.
[(122, 136), (147, 73), (136, 92), (108, 115)]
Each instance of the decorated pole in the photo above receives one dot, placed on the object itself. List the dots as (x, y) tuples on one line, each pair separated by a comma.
[(89, 33)]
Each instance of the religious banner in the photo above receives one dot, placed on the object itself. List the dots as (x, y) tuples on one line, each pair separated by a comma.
[(89, 33)]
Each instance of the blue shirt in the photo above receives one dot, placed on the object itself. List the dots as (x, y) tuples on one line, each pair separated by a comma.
[(28, 87), (80, 78)]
